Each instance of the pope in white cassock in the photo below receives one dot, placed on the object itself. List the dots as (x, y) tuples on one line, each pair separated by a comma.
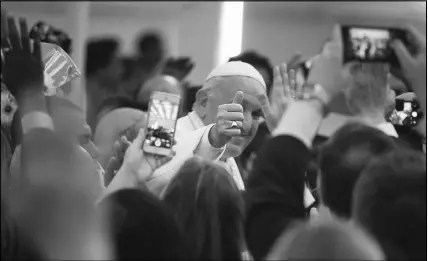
[(225, 118)]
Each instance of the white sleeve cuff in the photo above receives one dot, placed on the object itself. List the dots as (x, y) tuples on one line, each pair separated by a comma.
[(206, 150), (301, 120), (36, 119)]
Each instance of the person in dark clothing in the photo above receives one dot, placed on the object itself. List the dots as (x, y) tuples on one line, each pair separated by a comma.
[(143, 228), (275, 195), (390, 202)]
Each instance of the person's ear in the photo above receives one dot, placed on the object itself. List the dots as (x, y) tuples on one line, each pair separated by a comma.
[(201, 103)]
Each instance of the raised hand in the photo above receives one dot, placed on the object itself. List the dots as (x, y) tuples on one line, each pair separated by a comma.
[(327, 69), (280, 95), (24, 65), (229, 122), (413, 65)]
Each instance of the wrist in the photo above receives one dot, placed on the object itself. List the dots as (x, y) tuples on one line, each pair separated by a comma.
[(213, 138)]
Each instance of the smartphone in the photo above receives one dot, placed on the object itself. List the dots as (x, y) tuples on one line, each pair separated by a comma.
[(371, 44), (407, 113), (160, 130)]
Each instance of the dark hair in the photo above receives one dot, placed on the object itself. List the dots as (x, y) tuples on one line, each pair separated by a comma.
[(142, 227), (149, 41), (390, 202), (99, 54), (257, 61), (209, 207), (342, 159), (6, 157)]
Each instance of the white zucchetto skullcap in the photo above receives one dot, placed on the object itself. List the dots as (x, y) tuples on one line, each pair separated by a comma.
[(236, 68)]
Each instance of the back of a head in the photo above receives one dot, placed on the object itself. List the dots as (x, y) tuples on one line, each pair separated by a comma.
[(325, 240), (162, 83), (99, 54), (342, 159), (207, 203), (259, 62), (150, 41), (368, 88), (390, 202), (142, 227)]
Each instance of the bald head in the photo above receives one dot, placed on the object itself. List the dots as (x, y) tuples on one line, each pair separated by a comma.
[(162, 83)]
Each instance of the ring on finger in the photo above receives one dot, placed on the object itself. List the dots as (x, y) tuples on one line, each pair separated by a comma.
[(234, 124)]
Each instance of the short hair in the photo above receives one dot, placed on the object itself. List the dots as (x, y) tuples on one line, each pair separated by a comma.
[(149, 41), (368, 87), (208, 205), (342, 159), (99, 54), (390, 202), (143, 228), (325, 240), (257, 61)]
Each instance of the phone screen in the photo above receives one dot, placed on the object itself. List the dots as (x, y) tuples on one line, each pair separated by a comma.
[(405, 114), (163, 113), (370, 44)]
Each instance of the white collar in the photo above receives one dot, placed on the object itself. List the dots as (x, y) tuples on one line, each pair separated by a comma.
[(195, 120), (388, 129)]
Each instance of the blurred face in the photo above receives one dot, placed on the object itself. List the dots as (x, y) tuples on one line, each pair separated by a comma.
[(223, 93), (112, 74)]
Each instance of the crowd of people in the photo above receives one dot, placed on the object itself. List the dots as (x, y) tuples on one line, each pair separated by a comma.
[(250, 176)]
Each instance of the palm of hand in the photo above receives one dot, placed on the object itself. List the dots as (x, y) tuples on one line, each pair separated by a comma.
[(24, 66)]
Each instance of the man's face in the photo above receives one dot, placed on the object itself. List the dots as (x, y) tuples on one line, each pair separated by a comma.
[(265, 74), (224, 94)]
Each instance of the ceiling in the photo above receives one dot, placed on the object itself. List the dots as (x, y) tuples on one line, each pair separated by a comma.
[(118, 9), (340, 10), (402, 11)]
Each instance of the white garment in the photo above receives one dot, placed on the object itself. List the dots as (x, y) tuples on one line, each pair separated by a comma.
[(192, 140), (192, 122)]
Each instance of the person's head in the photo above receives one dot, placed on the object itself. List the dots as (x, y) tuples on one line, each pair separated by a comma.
[(368, 91), (208, 206), (151, 46), (69, 120), (342, 159), (142, 227), (260, 63), (102, 61), (161, 83), (390, 201), (112, 126), (325, 240), (117, 102), (220, 88)]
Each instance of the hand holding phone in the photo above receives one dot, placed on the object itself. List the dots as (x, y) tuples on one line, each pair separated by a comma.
[(160, 131)]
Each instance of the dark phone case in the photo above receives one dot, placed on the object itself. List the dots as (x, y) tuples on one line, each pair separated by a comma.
[(391, 58)]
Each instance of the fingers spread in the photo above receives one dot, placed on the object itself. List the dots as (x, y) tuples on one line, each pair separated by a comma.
[(25, 40), (13, 34)]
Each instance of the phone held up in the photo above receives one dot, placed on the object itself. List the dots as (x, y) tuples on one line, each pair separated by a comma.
[(406, 113), (371, 44), (161, 124)]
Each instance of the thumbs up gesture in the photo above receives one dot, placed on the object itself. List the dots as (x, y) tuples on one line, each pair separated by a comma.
[(229, 122)]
